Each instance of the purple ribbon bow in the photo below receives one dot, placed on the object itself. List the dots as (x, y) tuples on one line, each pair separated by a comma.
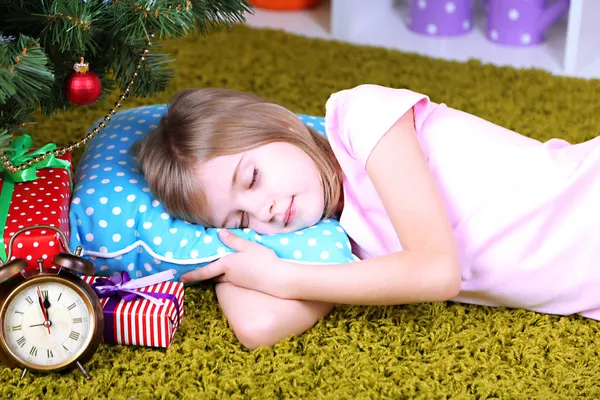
[(120, 287)]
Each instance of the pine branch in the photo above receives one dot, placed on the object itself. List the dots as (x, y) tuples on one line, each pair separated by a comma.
[(72, 25), (23, 70), (32, 78), (13, 120), (5, 140), (164, 18), (210, 14), (109, 34), (169, 19), (60, 25), (152, 77)]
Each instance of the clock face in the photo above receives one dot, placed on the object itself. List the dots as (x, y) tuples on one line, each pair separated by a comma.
[(47, 324)]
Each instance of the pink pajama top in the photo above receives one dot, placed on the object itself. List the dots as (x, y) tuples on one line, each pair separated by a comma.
[(526, 214)]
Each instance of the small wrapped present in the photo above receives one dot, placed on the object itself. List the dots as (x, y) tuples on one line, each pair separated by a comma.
[(36, 196), (139, 312)]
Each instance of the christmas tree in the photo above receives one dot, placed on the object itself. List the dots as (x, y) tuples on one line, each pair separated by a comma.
[(42, 40)]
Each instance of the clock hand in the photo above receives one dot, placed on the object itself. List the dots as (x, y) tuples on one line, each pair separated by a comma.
[(41, 301), (47, 302), (42, 324)]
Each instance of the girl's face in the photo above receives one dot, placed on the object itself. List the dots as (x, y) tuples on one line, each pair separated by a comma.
[(274, 188)]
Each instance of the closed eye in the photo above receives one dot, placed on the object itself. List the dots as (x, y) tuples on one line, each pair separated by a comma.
[(243, 221), (254, 178)]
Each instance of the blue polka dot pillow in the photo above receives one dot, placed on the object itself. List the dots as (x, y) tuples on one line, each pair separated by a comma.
[(122, 227)]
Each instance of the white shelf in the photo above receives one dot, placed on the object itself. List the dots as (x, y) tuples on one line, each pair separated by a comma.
[(572, 47)]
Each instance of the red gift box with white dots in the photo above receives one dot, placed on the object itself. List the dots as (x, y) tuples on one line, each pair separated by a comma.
[(44, 201)]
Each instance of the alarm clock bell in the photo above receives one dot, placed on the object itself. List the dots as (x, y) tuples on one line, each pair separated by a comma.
[(50, 319)]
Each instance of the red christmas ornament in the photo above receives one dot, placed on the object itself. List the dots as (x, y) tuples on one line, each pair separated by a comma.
[(82, 86)]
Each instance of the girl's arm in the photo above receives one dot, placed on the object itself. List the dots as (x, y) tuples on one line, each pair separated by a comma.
[(258, 319), (428, 268)]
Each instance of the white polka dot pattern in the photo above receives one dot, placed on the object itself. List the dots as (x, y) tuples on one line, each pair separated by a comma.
[(522, 23), (44, 201), (113, 213), (440, 17)]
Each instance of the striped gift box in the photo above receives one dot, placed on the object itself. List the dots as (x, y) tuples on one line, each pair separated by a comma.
[(140, 322)]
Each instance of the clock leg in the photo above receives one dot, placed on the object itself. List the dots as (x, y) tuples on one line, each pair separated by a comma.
[(83, 371), (24, 373)]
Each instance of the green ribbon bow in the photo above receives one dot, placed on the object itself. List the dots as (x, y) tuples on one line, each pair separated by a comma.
[(18, 154)]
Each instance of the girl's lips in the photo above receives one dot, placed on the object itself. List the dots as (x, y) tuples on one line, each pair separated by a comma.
[(290, 213)]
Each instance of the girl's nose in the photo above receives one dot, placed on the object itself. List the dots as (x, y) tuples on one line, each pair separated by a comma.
[(258, 206), (265, 214)]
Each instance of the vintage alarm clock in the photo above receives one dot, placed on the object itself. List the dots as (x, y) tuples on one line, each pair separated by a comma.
[(50, 319)]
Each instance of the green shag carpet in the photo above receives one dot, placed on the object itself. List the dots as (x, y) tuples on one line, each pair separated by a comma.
[(440, 350)]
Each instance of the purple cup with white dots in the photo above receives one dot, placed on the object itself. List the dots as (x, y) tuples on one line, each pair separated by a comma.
[(522, 22), (441, 17)]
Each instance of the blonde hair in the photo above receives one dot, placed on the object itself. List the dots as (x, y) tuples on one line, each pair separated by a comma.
[(201, 124)]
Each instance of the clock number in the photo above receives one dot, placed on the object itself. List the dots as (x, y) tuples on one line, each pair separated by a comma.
[(77, 320), (59, 296), (33, 351), (19, 312), (49, 354), (21, 341), (16, 328), (65, 347), (72, 306), (44, 294), (74, 335), (29, 299)]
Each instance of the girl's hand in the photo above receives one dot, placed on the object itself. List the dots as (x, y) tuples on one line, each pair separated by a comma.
[(253, 267)]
